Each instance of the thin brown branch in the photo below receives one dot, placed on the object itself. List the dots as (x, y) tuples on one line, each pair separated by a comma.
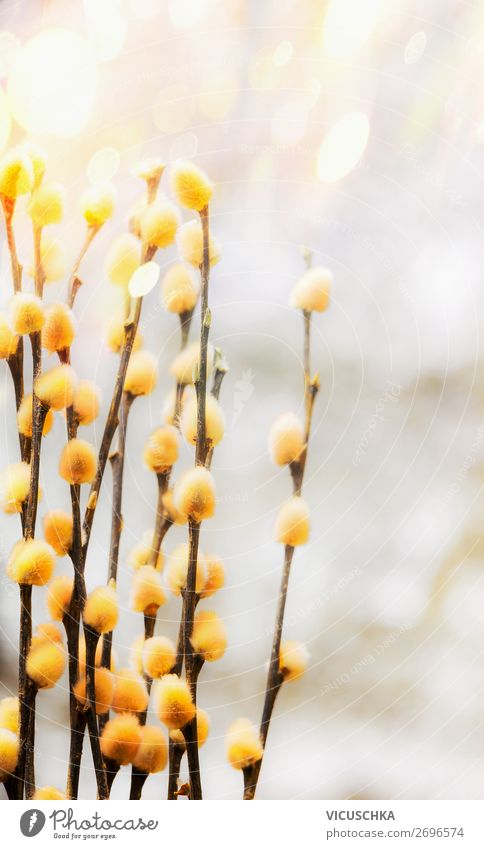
[(74, 281)]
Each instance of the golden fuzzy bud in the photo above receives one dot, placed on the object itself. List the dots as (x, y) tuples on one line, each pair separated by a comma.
[(171, 512), (312, 290), (183, 366), (292, 523), (38, 159), (47, 204), (115, 337), (147, 593), (55, 388), (103, 689), (47, 632), (48, 794), (14, 487), (242, 744), (124, 257), (141, 374), (46, 663), (58, 531), (215, 575), (174, 705), (159, 222), (97, 205), (179, 289), (59, 596), (9, 748), (169, 404), (293, 659), (26, 313), (58, 330), (286, 439), (209, 635), (130, 694), (158, 656), (190, 185), (152, 754), (203, 727), (87, 399), (161, 449), (52, 258), (214, 420), (31, 561), (78, 463), (190, 244), (8, 339), (16, 173), (178, 568), (101, 610), (24, 418), (194, 494), (141, 554), (9, 713), (121, 738)]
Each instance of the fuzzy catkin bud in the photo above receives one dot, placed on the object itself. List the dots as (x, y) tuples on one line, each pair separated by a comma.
[(9, 713), (215, 575), (115, 337), (14, 487), (130, 694), (242, 744), (292, 523), (59, 596), (8, 339), (47, 204), (209, 636), (58, 330), (214, 420), (45, 664), (152, 754), (24, 418), (286, 439), (58, 531), (87, 399), (179, 289), (55, 388), (312, 290), (158, 656), (32, 562), (48, 793), (97, 205), (38, 160), (194, 494), (52, 258), (103, 689), (77, 462), (141, 374), (178, 568), (183, 366), (124, 257), (190, 244), (121, 738), (47, 632), (147, 593), (161, 449), (174, 705), (159, 223), (9, 748), (203, 727), (293, 659), (141, 554), (171, 512), (26, 313), (190, 185), (101, 610), (150, 169), (16, 173)]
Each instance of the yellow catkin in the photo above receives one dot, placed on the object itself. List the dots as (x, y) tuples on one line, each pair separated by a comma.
[(203, 728), (141, 554), (24, 418), (183, 366), (87, 399), (190, 244), (16, 173), (150, 169), (158, 656), (45, 664), (48, 793), (58, 330), (103, 689), (9, 748), (47, 632), (31, 562), (59, 596), (215, 573), (292, 523), (209, 635), (14, 487), (8, 339), (177, 570), (159, 223), (312, 290), (101, 610), (53, 259), (124, 257), (194, 494), (286, 439), (130, 694), (171, 512), (179, 289), (147, 593), (161, 449), (9, 713), (190, 185), (97, 205), (141, 374), (293, 659), (121, 738), (115, 337), (26, 313), (214, 420), (173, 701), (55, 388), (242, 744), (47, 204), (77, 462), (152, 754), (38, 160), (58, 530), (135, 654)]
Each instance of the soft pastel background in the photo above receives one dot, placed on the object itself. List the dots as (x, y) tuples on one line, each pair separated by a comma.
[(355, 127)]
